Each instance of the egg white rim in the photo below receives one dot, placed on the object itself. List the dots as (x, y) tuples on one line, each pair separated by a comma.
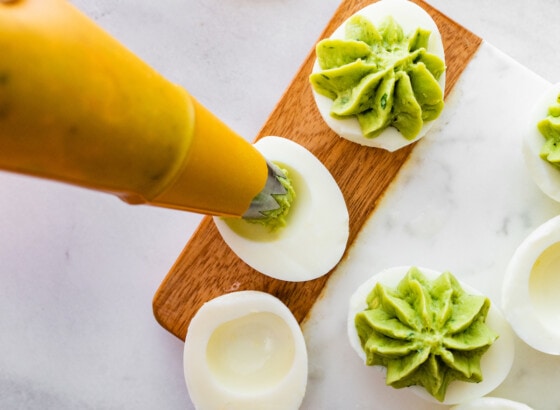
[(499, 356), (231, 306), (488, 403), (409, 16), (316, 234), (516, 298), (545, 175)]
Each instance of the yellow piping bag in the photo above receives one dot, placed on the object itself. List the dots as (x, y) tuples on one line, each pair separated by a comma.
[(78, 107)]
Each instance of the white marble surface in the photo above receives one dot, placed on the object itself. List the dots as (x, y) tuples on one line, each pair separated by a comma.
[(463, 203), (78, 269)]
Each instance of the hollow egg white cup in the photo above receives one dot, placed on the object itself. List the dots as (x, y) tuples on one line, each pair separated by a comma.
[(315, 236), (544, 174), (495, 363), (409, 16), (245, 351), (531, 287)]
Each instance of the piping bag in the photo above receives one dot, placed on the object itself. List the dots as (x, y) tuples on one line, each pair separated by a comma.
[(76, 106)]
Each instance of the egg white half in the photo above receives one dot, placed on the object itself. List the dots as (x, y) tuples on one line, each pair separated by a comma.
[(315, 237), (492, 403), (409, 16), (545, 175), (495, 363), (531, 286), (245, 351)]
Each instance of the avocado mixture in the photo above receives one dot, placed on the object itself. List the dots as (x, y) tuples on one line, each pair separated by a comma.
[(426, 333), (381, 76), (549, 127), (276, 218)]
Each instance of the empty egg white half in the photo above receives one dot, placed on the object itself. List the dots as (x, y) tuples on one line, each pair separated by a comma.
[(491, 403), (531, 287), (495, 363), (544, 174), (245, 351), (409, 16), (315, 236)]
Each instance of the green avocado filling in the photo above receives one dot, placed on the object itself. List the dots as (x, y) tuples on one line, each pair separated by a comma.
[(426, 333), (381, 76), (549, 127), (276, 218)]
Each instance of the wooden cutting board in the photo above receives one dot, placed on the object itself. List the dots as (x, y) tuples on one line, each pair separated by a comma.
[(207, 268)]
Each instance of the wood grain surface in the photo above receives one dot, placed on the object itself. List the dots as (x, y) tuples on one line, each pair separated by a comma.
[(207, 268)]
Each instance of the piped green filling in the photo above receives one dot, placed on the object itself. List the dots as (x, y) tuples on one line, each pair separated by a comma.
[(276, 218), (549, 127), (426, 333), (381, 76)]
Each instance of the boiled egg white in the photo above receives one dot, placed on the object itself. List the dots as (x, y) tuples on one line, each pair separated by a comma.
[(315, 236), (531, 287), (409, 16), (245, 351), (491, 403), (495, 363), (544, 174)]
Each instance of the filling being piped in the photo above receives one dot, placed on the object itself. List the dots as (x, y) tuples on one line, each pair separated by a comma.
[(271, 207)]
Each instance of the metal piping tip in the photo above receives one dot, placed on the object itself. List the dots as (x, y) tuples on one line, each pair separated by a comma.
[(265, 201)]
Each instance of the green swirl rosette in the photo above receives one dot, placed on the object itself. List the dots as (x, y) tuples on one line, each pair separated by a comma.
[(426, 333), (381, 76), (549, 127)]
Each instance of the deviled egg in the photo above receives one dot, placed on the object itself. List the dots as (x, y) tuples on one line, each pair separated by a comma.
[(441, 331), (531, 286), (245, 351), (379, 80), (317, 226), (537, 152)]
